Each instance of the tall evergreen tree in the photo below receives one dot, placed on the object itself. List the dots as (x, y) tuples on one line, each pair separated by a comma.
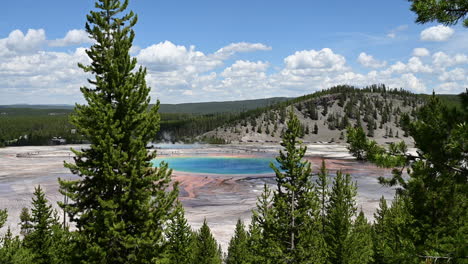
[(119, 204), (180, 244), (340, 211), (322, 188), (295, 199), (12, 250), (3, 217), (263, 243), (39, 240), (207, 249), (358, 245), (393, 233), (237, 250), (25, 222)]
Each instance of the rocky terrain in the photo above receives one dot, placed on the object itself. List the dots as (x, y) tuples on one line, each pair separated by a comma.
[(325, 116)]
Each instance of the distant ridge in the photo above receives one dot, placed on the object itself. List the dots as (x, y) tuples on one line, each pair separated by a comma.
[(215, 106), (39, 106), (185, 108), (220, 107)]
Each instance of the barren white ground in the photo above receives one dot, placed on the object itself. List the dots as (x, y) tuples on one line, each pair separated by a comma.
[(221, 199)]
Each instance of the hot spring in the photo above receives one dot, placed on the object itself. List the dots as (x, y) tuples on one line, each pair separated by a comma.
[(218, 165)]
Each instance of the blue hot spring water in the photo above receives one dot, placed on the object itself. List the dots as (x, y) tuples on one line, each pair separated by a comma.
[(218, 165)]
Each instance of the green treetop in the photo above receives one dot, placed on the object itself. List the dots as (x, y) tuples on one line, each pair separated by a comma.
[(340, 210), (119, 204), (238, 248), (359, 246), (39, 239), (180, 239), (207, 249), (447, 12), (295, 199)]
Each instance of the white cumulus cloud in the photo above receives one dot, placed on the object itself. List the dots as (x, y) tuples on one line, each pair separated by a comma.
[(369, 61), (437, 33), (443, 60), (233, 48), (243, 68), (323, 59), (457, 74), (421, 52), (19, 43), (73, 37), (411, 82)]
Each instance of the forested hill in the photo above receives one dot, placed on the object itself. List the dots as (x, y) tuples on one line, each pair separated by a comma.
[(220, 107), (184, 108), (324, 116)]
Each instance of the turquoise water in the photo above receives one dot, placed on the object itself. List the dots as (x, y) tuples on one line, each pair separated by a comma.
[(218, 165)]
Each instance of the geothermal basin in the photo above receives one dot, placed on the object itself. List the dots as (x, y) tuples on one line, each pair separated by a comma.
[(217, 182), (228, 165)]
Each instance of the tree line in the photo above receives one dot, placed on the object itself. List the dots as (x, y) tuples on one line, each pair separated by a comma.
[(125, 211)]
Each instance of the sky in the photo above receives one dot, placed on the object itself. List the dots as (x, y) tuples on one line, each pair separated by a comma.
[(198, 51)]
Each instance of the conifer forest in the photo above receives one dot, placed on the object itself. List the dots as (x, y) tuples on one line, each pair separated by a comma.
[(120, 208)]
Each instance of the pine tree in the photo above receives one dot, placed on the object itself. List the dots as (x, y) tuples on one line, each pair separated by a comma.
[(25, 222), (323, 192), (12, 251), (358, 245), (379, 231), (119, 204), (3, 217), (393, 233), (263, 242), (370, 128), (238, 247), (180, 244), (39, 240), (207, 249), (357, 142), (340, 211), (295, 199)]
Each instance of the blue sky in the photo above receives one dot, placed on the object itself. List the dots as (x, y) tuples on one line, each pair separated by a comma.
[(232, 50)]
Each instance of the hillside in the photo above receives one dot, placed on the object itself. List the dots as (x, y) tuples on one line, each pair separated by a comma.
[(259, 120), (219, 107), (184, 108), (326, 114)]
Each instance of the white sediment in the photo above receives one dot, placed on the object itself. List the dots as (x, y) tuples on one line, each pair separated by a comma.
[(221, 201)]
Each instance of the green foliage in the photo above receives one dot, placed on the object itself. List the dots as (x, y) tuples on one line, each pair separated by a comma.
[(207, 249), (119, 204), (285, 226), (25, 222), (393, 234), (435, 193), (180, 244), (39, 239), (19, 127), (238, 248), (357, 142), (295, 202), (3, 217), (12, 251), (208, 108), (358, 249), (340, 210), (447, 12), (323, 192), (263, 242)]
